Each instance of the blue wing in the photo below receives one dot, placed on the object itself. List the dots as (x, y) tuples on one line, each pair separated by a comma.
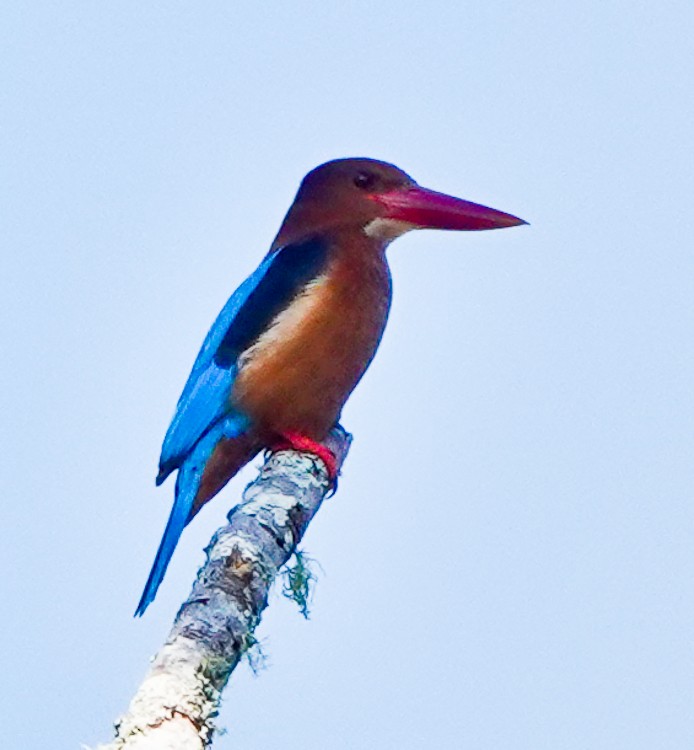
[(205, 395), (252, 307)]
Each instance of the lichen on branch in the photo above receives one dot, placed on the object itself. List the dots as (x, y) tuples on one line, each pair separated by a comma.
[(176, 704)]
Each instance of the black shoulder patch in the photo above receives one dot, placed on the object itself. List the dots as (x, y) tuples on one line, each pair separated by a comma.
[(293, 268)]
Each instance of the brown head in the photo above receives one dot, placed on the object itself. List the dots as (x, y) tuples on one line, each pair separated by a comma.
[(380, 200)]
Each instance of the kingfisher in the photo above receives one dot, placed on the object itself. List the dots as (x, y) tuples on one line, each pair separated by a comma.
[(293, 341)]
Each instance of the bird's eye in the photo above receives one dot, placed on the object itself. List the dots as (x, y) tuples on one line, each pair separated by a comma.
[(365, 180)]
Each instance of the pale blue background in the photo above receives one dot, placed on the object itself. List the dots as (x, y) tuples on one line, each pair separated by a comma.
[(509, 561)]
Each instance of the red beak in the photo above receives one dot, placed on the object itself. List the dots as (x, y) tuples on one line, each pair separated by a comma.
[(428, 209)]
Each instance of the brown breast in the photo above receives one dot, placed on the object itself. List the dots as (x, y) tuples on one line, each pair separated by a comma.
[(299, 373)]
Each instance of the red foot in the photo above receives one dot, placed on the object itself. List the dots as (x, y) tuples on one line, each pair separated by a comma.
[(298, 442)]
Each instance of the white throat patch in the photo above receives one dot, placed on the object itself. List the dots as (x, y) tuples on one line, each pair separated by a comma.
[(387, 229)]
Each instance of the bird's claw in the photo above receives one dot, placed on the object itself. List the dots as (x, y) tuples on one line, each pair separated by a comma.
[(298, 442)]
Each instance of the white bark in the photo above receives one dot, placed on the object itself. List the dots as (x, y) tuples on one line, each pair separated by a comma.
[(175, 706)]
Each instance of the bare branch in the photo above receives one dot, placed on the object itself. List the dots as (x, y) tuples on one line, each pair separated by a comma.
[(175, 706)]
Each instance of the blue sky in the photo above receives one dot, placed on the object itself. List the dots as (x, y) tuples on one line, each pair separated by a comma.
[(508, 562)]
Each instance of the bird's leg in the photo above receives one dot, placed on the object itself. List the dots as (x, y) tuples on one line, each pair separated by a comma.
[(298, 442)]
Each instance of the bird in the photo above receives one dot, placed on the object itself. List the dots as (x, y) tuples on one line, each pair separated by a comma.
[(295, 338)]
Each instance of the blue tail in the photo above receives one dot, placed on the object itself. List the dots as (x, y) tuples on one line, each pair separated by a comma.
[(186, 488), (187, 484)]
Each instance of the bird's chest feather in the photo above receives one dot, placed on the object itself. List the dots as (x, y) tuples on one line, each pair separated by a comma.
[(300, 371)]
